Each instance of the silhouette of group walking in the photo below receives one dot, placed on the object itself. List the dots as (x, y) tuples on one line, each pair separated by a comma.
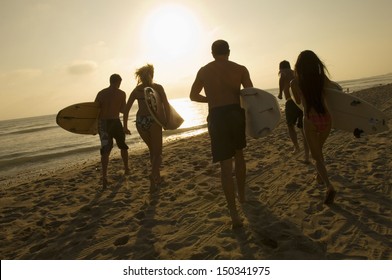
[(221, 81)]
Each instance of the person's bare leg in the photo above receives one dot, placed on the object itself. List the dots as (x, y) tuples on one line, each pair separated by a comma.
[(156, 150), (240, 174), (147, 138), (124, 156), (105, 163), (306, 147), (293, 137), (228, 189), (316, 141)]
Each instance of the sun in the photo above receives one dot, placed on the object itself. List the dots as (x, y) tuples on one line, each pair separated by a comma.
[(170, 32)]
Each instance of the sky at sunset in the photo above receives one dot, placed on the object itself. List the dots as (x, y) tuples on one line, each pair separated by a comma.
[(58, 52)]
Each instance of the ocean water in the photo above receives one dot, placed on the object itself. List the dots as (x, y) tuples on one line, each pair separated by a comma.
[(37, 143)]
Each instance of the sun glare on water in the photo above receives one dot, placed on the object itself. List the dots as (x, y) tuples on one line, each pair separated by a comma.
[(193, 113), (170, 32)]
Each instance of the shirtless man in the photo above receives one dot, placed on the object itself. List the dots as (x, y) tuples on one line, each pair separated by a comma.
[(294, 115), (222, 80), (111, 101)]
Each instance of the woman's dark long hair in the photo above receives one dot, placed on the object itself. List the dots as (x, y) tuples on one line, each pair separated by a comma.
[(310, 72)]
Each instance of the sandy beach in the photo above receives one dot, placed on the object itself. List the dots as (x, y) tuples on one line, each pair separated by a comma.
[(63, 215)]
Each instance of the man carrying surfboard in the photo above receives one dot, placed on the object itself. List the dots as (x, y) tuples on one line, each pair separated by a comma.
[(294, 114), (111, 101), (221, 80)]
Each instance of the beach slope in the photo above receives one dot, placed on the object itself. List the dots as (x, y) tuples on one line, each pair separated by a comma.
[(63, 215)]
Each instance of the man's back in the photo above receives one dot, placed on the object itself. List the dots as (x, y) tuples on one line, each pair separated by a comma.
[(222, 80), (286, 76), (112, 102)]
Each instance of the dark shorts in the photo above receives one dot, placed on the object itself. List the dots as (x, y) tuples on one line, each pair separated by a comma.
[(109, 130), (226, 126), (294, 115)]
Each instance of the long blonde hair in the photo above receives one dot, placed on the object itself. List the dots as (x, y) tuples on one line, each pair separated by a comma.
[(145, 75)]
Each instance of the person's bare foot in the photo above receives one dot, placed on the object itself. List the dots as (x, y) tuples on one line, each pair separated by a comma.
[(318, 178), (306, 158), (236, 221), (237, 225), (330, 197), (241, 198), (295, 150), (104, 184)]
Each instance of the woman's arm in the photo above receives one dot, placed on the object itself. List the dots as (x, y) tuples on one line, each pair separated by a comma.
[(128, 107), (294, 86)]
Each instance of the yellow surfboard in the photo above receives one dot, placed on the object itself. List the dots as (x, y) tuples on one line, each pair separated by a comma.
[(81, 118)]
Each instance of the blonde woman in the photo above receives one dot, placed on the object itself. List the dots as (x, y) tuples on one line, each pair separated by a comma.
[(149, 130)]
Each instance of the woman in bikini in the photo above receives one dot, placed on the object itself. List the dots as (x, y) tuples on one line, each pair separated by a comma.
[(149, 130), (308, 89)]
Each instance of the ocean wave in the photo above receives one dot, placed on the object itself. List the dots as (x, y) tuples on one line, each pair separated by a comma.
[(10, 163), (183, 130), (60, 151), (37, 129), (28, 130)]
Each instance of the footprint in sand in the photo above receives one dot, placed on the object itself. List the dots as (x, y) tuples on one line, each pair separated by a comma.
[(214, 215), (190, 186), (316, 235), (292, 186), (121, 241), (38, 247), (208, 253), (189, 241), (140, 215)]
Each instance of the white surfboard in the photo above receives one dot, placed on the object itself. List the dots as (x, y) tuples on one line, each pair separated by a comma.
[(168, 119), (262, 112), (330, 85), (299, 105), (352, 114)]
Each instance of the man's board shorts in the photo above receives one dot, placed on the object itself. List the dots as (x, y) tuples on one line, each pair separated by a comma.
[(109, 130), (294, 115), (226, 126)]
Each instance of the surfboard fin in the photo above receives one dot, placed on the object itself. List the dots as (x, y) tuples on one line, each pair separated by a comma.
[(358, 132), (266, 110), (355, 103), (264, 131)]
